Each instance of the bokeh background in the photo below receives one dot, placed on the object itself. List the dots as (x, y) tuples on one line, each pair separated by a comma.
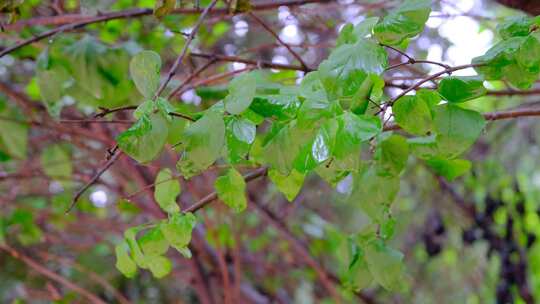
[(449, 232)]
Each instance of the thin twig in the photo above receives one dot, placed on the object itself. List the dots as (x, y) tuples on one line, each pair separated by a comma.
[(113, 158), (500, 115), (72, 18), (412, 60), (106, 111), (172, 70), (273, 33), (429, 78), (82, 121), (91, 274), (328, 280), (191, 77), (76, 25), (259, 63), (213, 196), (37, 266), (215, 78), (181, 115)]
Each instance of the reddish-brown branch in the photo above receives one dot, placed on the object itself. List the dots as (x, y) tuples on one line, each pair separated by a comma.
[(276, 36), (213, 196), (491, 116), (83, 121), (180, 58), (259, 63), (196, 73), (73, 18), (214, 79), (76, 25), (512, 114), (37, 266), (105, 111), (91, 275), (113, 158), (430, 78), (327, 279), (507, 92)]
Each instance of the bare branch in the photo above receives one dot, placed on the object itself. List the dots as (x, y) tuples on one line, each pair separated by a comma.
[(273, 33), (183, 53), (113, 158), (37, 266)]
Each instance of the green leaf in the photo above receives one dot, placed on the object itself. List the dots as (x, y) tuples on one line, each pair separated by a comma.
[(160, 266), (516, 60), (124, 263), (392, 154), (336, 169), (387, 228), (313, 111), (177, 231), (289, 136), (374, 193), (241, 93), (430, 97), (346, 35), (353, 130), (316, 105), (282, 106), (145, 139), (56, 162), (231, 189), (144, 69), (130, 235), (350, 34), (240, 135), (145, 108), (457, 129), (461, 88), (357, 276), (515, 27), (203, 141), (386, 265), (148, 107), (14, 135), (424, 147), (288, 185), (53, 80), (163, 8), (85, 71), (406, 21), (347, 67), (449, 168), (166, 190), (413, 114), (528, 57), (319, 149), (84, 56), (153, 243)]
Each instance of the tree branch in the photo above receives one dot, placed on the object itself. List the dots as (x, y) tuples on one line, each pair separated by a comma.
[(430, 78), (113, 158), (213, 196), (74, 18), (491, 116), (51, 275), (172, 70), (259, 63), (273, 33)]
